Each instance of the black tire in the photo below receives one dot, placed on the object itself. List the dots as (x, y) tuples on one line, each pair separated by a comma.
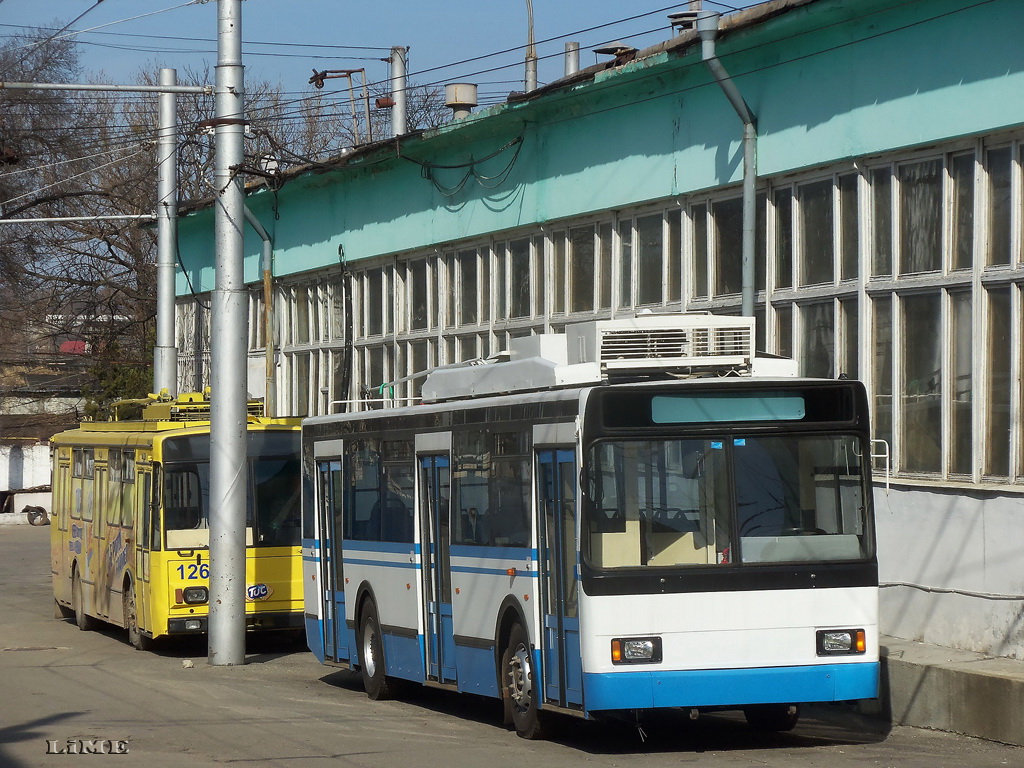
[(772, 717), (36, 515), (136, 639), (371, 656), (85, 622), (519, 685)]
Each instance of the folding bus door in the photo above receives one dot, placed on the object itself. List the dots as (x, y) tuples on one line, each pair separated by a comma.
[(332, 577), (556, 487), (435, 493)]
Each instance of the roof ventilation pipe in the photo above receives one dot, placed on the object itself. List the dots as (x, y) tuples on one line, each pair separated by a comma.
[(572, 58), (399, 69), (707, 28), (460, 98)]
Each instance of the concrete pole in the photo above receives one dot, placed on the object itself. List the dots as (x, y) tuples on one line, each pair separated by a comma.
[(165, 354), (398, 90), (228, 355)]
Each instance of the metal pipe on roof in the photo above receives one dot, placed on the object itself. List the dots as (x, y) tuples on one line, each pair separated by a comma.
[(707, 28), (531, 51), (572, 58), (398, 90)]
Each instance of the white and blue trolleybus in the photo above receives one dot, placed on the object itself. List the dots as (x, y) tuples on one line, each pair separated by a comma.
[(628, 516)]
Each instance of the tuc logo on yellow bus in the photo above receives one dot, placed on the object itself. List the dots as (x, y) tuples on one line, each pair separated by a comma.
[(256, 592)]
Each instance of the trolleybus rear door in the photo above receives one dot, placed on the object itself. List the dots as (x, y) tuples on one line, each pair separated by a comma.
[(435, 493), (563, 670), (332, 579)]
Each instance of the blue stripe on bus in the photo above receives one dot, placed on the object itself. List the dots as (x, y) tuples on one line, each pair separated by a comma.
[(381, 563), (730, 687), (493, 553), (491, 571), (397, 548)]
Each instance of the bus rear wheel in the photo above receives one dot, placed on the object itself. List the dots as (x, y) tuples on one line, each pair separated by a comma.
[(85, 622), (520, 685), (772, 717), (371, 656), (131, 621)]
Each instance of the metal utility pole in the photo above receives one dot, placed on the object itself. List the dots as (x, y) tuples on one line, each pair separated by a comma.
[(531, 51), (398, 90), (228, 355), (165, 353)]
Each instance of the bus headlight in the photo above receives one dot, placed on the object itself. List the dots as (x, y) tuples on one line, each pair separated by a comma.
[(835, 642), (636, 650), (195, 595)]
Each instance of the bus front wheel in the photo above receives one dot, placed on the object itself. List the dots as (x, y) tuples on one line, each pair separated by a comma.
[(520, 685), (371, 655), (84, 621), (131, 621)]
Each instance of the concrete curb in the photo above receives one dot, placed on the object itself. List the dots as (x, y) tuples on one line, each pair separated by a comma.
[(944, 689)]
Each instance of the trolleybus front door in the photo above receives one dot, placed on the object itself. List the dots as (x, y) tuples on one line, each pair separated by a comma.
[(435, 493), (563, 670), (332, 579)]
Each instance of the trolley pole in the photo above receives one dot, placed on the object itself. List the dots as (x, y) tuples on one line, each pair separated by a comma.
[(165, 354), (228, 356)]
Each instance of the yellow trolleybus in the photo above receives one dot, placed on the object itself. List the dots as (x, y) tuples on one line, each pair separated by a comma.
[(130, 529)]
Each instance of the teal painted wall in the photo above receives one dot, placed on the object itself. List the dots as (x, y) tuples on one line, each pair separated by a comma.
[(832, 80)]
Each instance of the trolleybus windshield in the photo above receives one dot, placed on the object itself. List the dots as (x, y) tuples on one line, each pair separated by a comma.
[(725, 500), (273, 500)]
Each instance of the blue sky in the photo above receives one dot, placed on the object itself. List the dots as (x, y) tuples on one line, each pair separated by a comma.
[(438, 34)]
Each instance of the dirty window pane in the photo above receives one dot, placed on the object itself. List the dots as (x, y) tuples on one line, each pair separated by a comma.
[(301, 315), (700, 251), (372, 300), (651, 259), (921, 385), (581, 269), (850, 345), (961, 385), (626, 263), (761, 243), (467, 290), (881, 218), (783, 238), (519, 278), (604, 236), (997, 449), (817, 253), (558, 299), (882, 371), (499, 283), (849, 222), (999, 163), (963, 211), (418, 295), (818, 340), (784, 330), (921, 217), (728, 216), (674, 256)]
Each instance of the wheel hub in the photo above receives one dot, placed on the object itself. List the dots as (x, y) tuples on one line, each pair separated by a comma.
[(520, 677)]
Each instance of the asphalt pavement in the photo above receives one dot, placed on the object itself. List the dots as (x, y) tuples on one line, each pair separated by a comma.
[(60, 687)]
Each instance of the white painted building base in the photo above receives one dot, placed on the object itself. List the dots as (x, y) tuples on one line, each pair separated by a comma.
[(951, 565)]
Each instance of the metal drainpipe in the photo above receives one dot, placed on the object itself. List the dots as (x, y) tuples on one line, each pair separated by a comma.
[(270, 396), (707, 28)]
